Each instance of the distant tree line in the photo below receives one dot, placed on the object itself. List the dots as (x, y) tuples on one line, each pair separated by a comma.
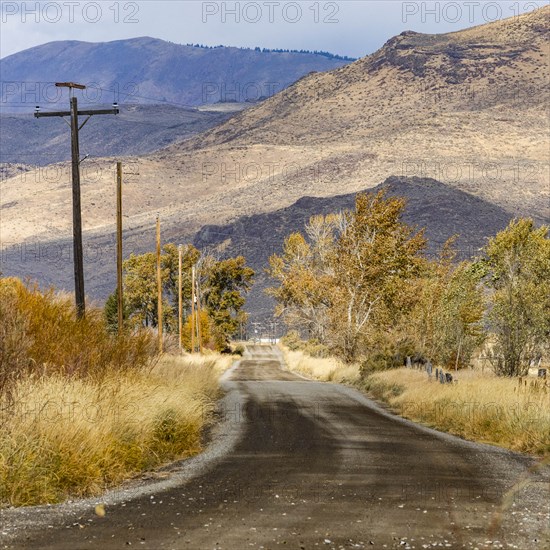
[(322, 53)]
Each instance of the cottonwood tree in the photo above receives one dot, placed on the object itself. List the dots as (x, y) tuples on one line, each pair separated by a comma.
[(140, 289), (169, 261), (518, 273), (352, 277), (460, 317), (375, 258), (359, 282), (305, 275), (456, 318), (446, 324), (205, 331), (226, 283), (140, 286)]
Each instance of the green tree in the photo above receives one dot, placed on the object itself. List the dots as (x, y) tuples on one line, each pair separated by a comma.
[(170, 260), (110, 311), (518, 273), (459, 317), (220, 291), (140, 289), (223, 295), (446, 324), (140, 284)]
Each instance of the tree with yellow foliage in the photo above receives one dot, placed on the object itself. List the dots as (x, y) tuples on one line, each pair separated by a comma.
[(351, 277)]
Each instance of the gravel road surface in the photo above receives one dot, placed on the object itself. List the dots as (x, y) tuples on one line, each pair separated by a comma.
[(300, 464)]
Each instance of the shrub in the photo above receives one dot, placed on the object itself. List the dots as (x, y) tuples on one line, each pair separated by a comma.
[(391, 353), (82, 408), (14, 341), (41, 335), (312, 347), (239, 349), (316, 349), (292, 340)]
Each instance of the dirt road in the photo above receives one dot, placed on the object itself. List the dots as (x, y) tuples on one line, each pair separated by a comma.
[(312, 465)]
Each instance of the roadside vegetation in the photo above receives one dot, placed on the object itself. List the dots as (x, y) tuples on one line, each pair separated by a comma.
[(220, 291), (509, 412), (360, 286), (361, 299), (83, 408), (512, 413), (313, 361)]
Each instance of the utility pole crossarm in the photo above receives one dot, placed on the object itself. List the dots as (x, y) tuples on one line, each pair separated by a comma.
[(70, 85), (114, 111), (38, 114)]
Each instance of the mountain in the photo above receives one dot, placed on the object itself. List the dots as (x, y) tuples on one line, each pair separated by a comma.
[(136, 130), (432, 205), (469, 109), (148, 70)]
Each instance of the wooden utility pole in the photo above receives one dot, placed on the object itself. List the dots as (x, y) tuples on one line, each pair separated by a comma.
[(77, 211), (180, 300), (159, 287), (77, 214), (199, 314), (192, 309), (119, 245)]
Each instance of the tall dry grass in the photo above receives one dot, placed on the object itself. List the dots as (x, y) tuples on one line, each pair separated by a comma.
[(509, 412), (326, 369), (82, 409), (40, 335), (64, 437)]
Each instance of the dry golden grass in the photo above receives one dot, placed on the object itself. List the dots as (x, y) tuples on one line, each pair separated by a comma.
[(172, 364), (81, 408), (41, 336), (326, 369), (63, 437), (481, 406)]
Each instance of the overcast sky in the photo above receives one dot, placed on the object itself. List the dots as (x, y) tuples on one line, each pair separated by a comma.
[(347, 27)]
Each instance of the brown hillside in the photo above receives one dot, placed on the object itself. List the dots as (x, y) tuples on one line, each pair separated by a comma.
[(466, 108)]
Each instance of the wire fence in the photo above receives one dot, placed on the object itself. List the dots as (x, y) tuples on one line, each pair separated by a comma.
[(440, 375)]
